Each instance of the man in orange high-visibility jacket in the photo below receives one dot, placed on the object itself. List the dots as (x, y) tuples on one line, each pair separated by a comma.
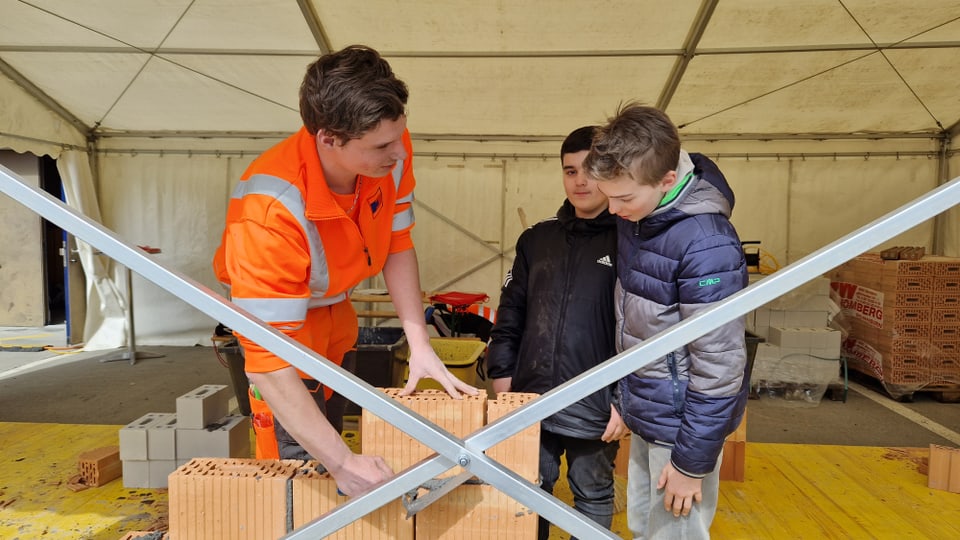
[(311, 218)]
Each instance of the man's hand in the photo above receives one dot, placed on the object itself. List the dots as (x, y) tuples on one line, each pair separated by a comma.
[(616, 428), (426, 363), (358, 473), (680, 491)]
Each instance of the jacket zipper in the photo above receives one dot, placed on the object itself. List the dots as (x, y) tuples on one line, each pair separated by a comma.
[(562, 315), (675, 380)]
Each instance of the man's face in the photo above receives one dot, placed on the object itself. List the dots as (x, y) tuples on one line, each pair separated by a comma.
[(376, 152), (632, 200), (581, 191)]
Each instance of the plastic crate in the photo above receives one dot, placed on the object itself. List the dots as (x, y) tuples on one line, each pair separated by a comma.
[(460, 355), (379, 350)]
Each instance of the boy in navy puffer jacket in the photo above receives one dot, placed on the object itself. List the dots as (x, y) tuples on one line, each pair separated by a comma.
[(678, 255)]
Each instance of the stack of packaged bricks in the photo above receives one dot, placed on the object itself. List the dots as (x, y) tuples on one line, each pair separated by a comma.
[(799, 356), (248, 499), (903, 318)]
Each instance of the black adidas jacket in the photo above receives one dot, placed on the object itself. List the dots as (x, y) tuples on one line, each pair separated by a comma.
[(556, 315)]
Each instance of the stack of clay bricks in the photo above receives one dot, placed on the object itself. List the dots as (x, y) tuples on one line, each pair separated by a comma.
[(904, 320), (263, 499), (800, 356), (154, 445), (944, 469)]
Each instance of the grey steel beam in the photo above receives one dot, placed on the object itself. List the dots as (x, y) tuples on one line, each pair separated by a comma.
[(699, 26), (312, 19), (535, 138), (608, 53), (43, 98)]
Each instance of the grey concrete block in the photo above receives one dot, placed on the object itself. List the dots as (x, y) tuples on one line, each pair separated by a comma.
[(228, 438), (203, 406), (133, 437), (162, 438), (136, 473)]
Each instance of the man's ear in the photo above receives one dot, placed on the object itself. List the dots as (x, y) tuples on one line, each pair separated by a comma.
[(668, 181), (325, 140)]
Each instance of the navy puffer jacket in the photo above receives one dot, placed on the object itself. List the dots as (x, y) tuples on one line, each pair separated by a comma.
[(679, 260)]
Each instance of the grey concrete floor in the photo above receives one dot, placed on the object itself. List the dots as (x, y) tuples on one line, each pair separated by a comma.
[(80, 389)]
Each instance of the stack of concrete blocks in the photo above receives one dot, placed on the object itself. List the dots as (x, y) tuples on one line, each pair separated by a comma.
[(230, 499), (801, 355), (154, 445), (807, 306), (904, 320)]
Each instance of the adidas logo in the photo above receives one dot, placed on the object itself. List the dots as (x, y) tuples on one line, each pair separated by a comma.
[(605, 260)]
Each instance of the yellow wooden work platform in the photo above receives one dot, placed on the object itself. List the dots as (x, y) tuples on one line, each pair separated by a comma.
[(791, 491)]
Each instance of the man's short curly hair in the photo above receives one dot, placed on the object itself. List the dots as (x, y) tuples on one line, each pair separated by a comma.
[(348, 92)]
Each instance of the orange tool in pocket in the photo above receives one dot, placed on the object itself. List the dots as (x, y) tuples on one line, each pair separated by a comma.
[(263, 427)]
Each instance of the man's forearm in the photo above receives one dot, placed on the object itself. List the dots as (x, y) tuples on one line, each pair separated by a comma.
[(290, 402)]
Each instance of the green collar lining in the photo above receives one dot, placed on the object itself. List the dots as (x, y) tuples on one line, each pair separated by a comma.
[(669, 196)]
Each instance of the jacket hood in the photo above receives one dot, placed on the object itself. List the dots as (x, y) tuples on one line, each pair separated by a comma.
[(707, 192)]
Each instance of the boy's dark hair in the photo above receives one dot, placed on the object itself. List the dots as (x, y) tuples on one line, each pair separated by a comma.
[(640, 142), (578, 140), (348, 92)]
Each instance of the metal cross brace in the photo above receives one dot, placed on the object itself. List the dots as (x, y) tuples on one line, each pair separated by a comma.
[(468, 452)]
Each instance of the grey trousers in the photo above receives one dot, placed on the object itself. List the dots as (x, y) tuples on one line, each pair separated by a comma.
[(646, 516)]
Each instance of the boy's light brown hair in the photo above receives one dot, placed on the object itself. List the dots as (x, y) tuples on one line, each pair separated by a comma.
[(640, 142)]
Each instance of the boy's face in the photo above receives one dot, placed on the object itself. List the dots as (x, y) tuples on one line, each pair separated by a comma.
[(632, 200), (581, 191), (373, 155)]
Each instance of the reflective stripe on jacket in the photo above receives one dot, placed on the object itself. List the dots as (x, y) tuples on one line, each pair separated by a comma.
[(289, 247)]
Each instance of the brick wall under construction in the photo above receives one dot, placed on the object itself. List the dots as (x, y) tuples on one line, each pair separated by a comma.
[(249, 499)]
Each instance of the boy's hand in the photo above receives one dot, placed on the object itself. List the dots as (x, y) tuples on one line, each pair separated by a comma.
[(680, 491), (616, 428)]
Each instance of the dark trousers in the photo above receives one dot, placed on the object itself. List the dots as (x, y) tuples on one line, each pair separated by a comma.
[(589, 473), (333, 409)]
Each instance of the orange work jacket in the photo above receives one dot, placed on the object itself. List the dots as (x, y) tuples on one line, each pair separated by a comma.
[(289, 249)]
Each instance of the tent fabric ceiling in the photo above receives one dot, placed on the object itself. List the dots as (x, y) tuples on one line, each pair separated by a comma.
[(488, 69)]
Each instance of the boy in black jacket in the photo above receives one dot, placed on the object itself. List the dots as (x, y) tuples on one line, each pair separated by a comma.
[(555, 321)]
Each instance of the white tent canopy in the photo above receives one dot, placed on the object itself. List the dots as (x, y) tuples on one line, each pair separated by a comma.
[(824, 114)]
